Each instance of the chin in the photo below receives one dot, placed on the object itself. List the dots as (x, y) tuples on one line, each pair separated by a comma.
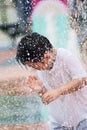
[(42, 68)]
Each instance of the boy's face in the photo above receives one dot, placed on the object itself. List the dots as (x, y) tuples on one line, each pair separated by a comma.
[(46, 64)]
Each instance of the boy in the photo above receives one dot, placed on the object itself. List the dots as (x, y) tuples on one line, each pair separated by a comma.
[(63, 80)]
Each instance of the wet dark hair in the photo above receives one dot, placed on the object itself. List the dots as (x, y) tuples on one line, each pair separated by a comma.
[(32, 47)]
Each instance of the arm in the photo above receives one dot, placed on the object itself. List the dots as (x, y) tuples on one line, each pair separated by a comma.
[(72, 67), (72, 86), (68, 88)]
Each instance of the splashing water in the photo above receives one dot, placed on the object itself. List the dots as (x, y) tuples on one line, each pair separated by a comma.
[(78, 14), (53, 24), (47, 22), (16, 109), (21, 109)]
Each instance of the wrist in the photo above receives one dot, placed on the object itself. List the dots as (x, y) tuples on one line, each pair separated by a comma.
[(42, 91), (60, 91)]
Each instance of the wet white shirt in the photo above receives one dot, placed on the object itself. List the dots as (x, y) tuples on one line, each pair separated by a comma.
[(70, 109)]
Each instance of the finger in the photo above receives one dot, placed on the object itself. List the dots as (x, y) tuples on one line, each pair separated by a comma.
[(48, 99), (32, 77), (45, 102), (35, 78), (32, 80), (29, 80), (29, 77), (29, 83), (45, 96)]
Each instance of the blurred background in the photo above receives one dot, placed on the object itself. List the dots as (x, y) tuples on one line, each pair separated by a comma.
[(64, 22), (59, 20), (14, 23)]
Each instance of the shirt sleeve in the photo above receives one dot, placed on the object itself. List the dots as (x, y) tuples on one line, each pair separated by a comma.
[(73, 65)]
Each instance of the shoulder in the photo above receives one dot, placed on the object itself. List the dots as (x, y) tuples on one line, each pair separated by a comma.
[(64, 53), (63, 50)]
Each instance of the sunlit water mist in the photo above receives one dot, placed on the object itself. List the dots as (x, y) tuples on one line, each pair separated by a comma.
[(18, 104), (22, 109), (50, 18), (72, 43), (17, 109), (55, 25), (76, 48), (51, 28)]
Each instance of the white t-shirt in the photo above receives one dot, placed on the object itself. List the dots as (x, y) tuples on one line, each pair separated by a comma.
[(70, 109)]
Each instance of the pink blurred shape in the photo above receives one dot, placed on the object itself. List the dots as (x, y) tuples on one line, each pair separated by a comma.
[(35, 2)]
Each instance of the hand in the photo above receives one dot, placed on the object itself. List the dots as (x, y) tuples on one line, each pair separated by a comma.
[(34, 83), (50, 96)]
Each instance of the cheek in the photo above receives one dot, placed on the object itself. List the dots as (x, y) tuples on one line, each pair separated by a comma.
[(38, 67), (41, 67), (45, 66)]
